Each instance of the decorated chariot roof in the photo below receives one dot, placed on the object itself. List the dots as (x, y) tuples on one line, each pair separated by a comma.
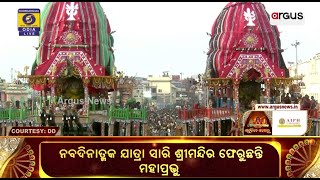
[(242, 40), (76, 33)]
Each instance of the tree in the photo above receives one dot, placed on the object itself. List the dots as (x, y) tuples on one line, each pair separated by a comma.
[(131, 103)]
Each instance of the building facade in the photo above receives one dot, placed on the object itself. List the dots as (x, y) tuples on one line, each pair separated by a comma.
[(16, 94), (310, 70), (3, 86), (165, 90), (142, 92)]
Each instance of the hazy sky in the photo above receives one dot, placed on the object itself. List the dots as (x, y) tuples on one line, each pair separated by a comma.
[(159, 36)]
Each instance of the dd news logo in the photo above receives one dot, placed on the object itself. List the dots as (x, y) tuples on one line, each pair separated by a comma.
[(287, 18)]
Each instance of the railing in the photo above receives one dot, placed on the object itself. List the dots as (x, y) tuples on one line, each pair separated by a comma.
[(34, 112), (98, 107), (4, 114), (114, 113), (13, 114), (138, 114), (130, 114), (218, 113), (211, 113), (127, 114)]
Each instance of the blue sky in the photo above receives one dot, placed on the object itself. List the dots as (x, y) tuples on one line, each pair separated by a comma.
[(159, 36)]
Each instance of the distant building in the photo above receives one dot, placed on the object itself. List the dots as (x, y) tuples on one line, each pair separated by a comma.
[(2, 90), (141, 92), (16, 93), (310, 70), (176, 78), (183, 89), (164, 89)]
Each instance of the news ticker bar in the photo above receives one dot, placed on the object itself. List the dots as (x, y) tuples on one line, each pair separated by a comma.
[(161, 157), (164, 159)]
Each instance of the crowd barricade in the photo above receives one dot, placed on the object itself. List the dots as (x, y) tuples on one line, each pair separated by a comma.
[(210, 113)]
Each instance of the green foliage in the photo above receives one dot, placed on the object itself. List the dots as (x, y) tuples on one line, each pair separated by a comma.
[(131, 102)]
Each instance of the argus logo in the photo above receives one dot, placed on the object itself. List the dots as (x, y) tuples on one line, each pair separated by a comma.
[(287, 18)]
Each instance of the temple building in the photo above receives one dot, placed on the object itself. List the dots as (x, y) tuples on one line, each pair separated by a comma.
[(16, 93)]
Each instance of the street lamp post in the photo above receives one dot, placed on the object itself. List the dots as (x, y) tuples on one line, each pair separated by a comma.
[(181, 83), (296, 44)]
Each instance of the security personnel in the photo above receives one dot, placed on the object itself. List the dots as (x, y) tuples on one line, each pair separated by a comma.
[(65, 119), (51, 117), (43, 115), (70, 119), (77, 121)]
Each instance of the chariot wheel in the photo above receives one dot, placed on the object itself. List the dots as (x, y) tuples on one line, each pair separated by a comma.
[(300, 157), (22, 164), (8, 146)]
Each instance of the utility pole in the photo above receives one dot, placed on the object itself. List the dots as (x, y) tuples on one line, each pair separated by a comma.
[(12, 75)]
